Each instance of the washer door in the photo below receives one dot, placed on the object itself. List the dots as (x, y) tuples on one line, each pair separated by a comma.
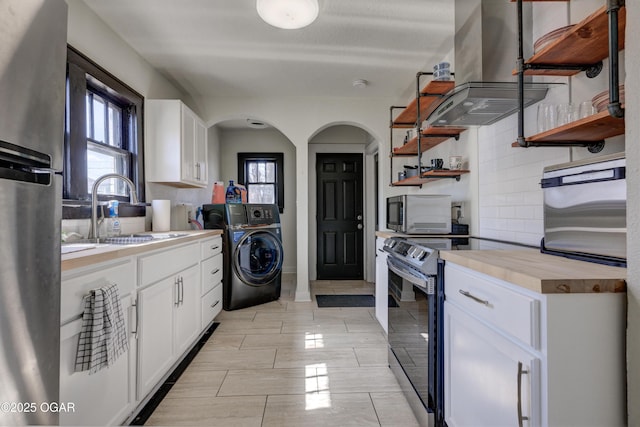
[(258, 258)]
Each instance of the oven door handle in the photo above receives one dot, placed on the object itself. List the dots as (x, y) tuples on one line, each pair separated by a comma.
[(402, 272)]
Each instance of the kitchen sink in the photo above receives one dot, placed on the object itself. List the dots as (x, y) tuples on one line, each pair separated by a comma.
[(135, 239), (127, 239)]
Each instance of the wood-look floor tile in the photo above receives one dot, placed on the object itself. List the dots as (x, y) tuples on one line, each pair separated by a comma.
[(320, 409), (372, 356), (364, 379), (393, 410), (343, 358), (195, 383), (249, 327), (260, 382), (266, 316), (234, 359), (315, 327), (245, 411), (224, 342)]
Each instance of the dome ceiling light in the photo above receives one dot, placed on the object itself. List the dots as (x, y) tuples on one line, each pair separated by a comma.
[(288, 14)]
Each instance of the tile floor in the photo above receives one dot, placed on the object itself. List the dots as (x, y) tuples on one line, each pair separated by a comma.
[(291, 364)]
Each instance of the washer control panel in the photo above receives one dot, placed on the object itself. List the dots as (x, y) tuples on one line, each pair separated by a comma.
[(262, 214)]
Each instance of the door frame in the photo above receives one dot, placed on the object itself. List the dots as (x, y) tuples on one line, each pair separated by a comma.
[(368, 250)]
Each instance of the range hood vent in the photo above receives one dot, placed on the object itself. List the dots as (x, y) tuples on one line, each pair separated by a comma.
[(485, 49), (483, 103)]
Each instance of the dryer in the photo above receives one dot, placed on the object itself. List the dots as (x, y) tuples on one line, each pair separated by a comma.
[(252, 252)]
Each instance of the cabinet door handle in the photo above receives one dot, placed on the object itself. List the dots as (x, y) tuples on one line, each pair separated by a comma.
[(176, 292), (521, 371), (181, 294), (135, 312), (214, 247), (473, 297), (215, 303), (215, 271)]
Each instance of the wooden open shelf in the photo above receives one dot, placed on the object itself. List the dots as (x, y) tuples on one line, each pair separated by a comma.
[(431, 137), (590, 129), (585, 44), (431, 96), (513, 1), (430, 176)]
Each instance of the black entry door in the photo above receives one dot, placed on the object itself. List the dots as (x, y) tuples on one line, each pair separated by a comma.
[(339, 216)]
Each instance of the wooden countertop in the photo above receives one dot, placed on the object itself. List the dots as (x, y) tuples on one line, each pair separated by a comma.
[(108, 252), (546, 274)]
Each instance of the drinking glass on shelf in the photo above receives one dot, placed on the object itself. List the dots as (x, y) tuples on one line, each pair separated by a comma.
[(586, 109), (566, 113), (547, 117)]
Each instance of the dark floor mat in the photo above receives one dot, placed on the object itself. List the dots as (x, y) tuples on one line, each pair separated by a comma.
[(346, 300), (349, 301)]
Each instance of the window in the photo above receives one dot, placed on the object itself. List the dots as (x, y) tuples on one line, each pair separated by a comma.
[(103, 132), (263, 175)]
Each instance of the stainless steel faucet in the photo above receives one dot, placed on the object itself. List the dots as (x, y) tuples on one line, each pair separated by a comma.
[(133, 199)]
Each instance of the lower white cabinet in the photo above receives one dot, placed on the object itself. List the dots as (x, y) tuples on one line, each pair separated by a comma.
[(480, 359), (517, 357), (211, 271), (106, 397), (169, 323)]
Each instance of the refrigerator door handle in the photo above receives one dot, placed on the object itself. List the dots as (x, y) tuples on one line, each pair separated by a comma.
[(44, 170)]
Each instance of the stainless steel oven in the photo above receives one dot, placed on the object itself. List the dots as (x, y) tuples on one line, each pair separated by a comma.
[(413, 323)]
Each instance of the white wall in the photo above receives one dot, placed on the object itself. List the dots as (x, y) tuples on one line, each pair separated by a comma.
[(233, 142), (632, 93)]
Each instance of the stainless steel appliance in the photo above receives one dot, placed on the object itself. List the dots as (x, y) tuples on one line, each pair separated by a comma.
[(32, 96), (415, 321), (419, 214), (585, 209), (484, 31)]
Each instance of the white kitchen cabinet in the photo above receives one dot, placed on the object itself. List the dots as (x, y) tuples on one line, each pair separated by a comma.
[(211, 273), (557, 358), (382, 284), (106, 397), (175, 144), (479, 358), (169, 308)]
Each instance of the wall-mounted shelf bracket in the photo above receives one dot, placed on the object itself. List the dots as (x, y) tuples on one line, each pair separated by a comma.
[(592, 146), (591, 71)]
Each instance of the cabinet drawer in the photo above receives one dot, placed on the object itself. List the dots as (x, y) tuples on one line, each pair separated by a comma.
[(211, 305), (510, 311), (211, 247), (79, 282), (163, 264), (211, 273)]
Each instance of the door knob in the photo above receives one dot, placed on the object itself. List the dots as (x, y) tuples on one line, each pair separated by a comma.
[(359, 226)]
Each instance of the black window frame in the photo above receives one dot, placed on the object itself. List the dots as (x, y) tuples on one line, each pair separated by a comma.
[(278, 158), (83, 74)]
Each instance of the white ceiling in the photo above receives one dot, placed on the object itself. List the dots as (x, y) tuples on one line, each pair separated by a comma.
[(222, 48)]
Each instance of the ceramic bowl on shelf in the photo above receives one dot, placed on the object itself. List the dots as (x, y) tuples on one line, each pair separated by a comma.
[(601, 100), (550, 37)]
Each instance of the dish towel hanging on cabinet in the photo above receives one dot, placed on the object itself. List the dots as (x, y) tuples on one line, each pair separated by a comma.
[(103, 337)]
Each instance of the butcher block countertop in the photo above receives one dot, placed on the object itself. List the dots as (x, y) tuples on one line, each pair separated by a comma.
[(546, 274), (108, 252)]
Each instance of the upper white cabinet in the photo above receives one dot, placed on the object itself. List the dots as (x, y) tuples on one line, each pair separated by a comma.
[(175, 144)]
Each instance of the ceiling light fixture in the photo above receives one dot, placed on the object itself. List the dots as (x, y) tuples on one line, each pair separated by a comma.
[(360, 83), (288, 14)]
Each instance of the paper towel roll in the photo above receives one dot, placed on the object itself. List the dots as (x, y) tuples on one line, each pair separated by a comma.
[(161, 215)]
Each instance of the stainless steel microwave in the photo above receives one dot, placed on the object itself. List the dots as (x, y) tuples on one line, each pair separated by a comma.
[(419, 214)]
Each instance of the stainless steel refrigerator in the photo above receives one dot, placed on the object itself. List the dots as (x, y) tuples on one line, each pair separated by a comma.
[(33, 36)]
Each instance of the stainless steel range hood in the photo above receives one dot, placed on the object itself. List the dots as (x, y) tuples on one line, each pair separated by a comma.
[(486, 48)]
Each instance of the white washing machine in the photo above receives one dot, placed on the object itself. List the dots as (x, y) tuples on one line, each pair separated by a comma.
[(252, 252)]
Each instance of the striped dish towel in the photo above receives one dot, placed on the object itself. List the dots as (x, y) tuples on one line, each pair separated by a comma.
[(103, 337)]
